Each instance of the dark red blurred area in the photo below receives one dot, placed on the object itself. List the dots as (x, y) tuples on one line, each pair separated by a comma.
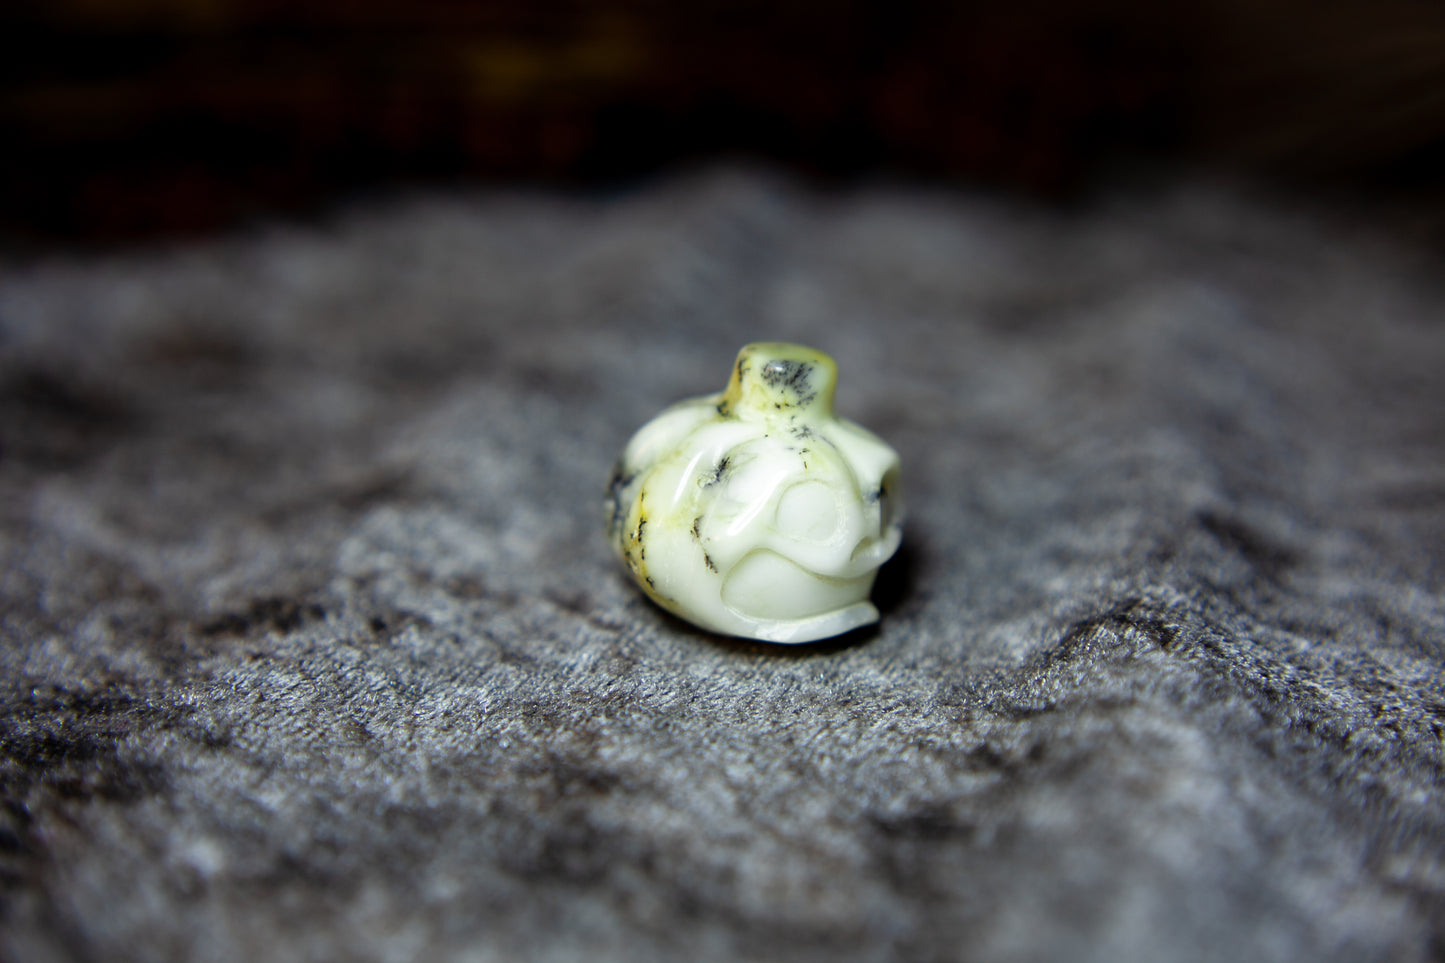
[(132, 117)]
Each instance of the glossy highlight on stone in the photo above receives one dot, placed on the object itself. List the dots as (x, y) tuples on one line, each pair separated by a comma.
[(757, 512)]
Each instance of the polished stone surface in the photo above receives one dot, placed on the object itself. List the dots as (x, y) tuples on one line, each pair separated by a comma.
[(756, 511), (313, 647)]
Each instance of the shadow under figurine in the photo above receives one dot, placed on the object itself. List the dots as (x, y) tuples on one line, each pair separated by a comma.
[(757, 512)]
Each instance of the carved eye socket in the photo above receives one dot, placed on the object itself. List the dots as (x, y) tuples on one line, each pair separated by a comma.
[(808, 510), (889, 503)]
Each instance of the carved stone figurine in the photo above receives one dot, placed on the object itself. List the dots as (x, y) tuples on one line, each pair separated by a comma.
[(757, 512)]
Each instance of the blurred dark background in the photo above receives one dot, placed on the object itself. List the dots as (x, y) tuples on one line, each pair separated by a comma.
[(128, 118)]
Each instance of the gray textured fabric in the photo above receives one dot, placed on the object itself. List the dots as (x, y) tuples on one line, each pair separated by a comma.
[(313, 649)]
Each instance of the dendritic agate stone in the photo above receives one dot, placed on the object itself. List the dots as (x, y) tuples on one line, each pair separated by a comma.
[(757, 512)]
